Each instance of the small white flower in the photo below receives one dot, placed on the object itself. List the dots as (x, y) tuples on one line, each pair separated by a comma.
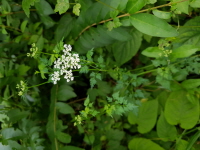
[(55, 77), (65, 64)]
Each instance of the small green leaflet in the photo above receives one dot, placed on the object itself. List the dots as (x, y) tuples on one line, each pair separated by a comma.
[(76, 9), (26, 4), (62, 6)]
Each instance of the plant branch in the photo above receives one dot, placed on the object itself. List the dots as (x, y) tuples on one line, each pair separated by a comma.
[(127, 14)]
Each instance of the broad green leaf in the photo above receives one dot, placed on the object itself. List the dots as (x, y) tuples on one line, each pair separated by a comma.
[(64, 27), (63, 137), (189, 33), (11, 133), (62, 6), (99, 37), (47, 20), (5, 7), (15, 145), (5, 147), (146, 118), (151, 1), (71, 148), (181, 7), (195, 3), (183, 51), (162, 98), (115, 135), (162, 14), (165, 131), (26, 4), (135, 5), (191, 83), (23, 25), (65, 92), (119, 4), (154, 52), (177, 104), (124, 51), (151, 25), (143, 144), (64, 108), (16, 115), (44, 8)]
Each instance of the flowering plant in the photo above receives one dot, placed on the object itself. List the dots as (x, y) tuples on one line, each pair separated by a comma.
[(65, 64)]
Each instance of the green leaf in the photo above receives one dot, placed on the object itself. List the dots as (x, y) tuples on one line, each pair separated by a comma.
[(177, 104), (89, 139), (62, 6), (195, 3), (151, 25), (23, 25), (76, 9), (152, 52), (65, 92), (64, 108), (165, 131), (162, 14), (191, 83), (71, 148), (16, 115), (115, 135), (26, 4), (124, 51), (182, 145), (64, 27), (44, 8), (5, 147), (183, 51), (99, 37), (22, 69), (189, 33), (11, 133), (63, 137), (146, 118), (43, 69), (182, 7), (135, 5), (143, 144)]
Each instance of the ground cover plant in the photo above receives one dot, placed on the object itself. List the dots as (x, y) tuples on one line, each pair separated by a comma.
[(99, 74)]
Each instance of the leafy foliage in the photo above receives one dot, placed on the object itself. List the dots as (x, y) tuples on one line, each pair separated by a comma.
[(138, 86)]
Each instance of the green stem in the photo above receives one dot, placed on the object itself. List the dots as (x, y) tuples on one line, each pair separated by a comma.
[(139, 74), (54, 125), (45, 53), (145, 67), (38, 84)]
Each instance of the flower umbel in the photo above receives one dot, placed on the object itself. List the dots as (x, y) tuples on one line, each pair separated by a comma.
[(22, 88), (33, 50), (78, 120), (65, 64)]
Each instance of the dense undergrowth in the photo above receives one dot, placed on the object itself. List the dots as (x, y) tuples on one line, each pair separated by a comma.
[(99, 74)]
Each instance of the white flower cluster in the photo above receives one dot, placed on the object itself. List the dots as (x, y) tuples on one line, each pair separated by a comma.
[(65, 64)]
